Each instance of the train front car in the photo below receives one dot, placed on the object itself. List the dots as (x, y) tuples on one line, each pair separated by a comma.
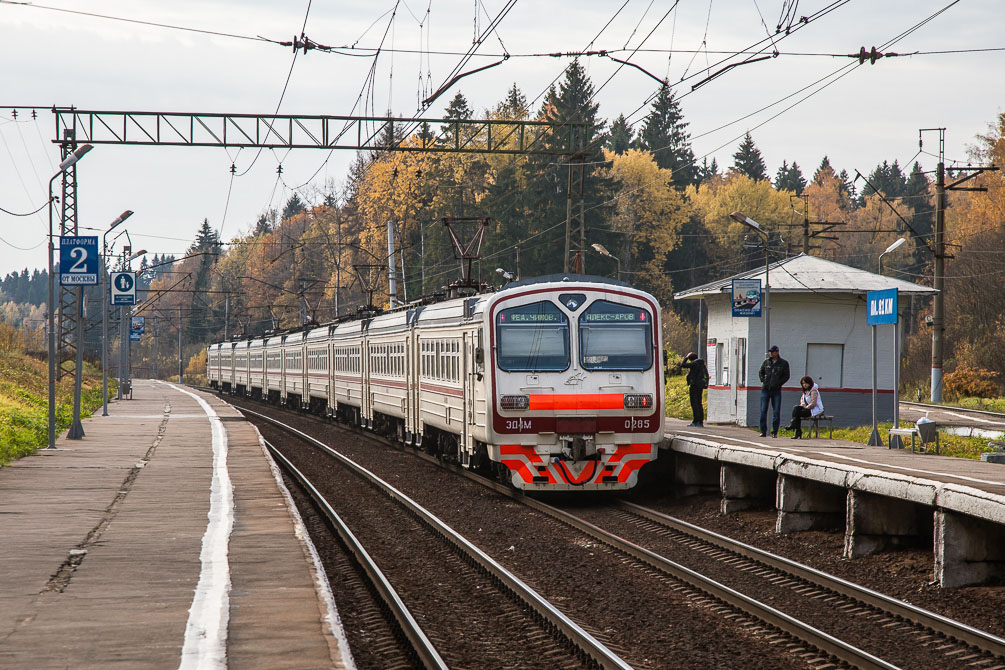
[(576, 383)]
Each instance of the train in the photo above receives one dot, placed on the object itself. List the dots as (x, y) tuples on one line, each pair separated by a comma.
[(551, 384)]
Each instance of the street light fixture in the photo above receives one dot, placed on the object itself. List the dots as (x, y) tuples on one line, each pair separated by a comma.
[(742, 218), (508, 276), (106, 296), (890, 248), (63, 166), (600, 249)]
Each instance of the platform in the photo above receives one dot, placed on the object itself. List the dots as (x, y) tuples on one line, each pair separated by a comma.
[(161, 540), (882, 498)]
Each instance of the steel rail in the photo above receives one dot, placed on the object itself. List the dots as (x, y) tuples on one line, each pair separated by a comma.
[(589, 645), (797, 629), (936, 622), (423, 648)]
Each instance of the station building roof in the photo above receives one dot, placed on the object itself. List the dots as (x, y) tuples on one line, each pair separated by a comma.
[(809, 274)]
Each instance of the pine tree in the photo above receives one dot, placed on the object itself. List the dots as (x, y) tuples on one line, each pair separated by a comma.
[(823, 170), (263, 226), (206, 239), (458, 108), (790, 178), (514, 107), (621, 138), (918, 196), (705, 171), (664, 134), (293, 207), (847, 186), (571, 102), (747, 160)]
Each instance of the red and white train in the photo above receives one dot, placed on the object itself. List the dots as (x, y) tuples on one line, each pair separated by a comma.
[(556, 383)]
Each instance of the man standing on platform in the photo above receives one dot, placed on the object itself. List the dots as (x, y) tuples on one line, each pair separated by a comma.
[(774, 373)]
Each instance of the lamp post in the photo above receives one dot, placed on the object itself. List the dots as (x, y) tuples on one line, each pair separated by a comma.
[(106, 291), (600, 249), (124, 329), (895, 441), (741, 218), (67, 162)]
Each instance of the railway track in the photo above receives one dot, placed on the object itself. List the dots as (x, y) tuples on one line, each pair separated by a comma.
[(547, 638), (943, 641)]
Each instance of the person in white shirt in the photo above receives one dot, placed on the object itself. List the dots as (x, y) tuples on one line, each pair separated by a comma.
[(810, 405)]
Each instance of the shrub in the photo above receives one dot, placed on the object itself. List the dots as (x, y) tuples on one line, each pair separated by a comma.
[(971, 382), (10, 338)]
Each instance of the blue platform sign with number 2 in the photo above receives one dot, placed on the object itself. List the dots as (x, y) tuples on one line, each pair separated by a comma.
[(78, 260)]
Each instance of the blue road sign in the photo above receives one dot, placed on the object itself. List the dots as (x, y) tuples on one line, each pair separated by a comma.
[(746, 297), (138, 324), (135, 336), (882, 307), (123, 288), (78, 260)]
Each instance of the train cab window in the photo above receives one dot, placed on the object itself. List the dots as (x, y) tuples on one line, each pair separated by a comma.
[(615, 337), (532, 337)]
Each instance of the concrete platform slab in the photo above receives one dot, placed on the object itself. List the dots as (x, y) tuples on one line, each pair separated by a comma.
[(105, 555)]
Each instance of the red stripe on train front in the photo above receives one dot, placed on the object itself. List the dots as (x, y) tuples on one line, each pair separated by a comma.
[(627, 459)]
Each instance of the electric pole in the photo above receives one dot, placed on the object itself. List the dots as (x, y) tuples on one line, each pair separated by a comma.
[(808, 232), (939, 269)]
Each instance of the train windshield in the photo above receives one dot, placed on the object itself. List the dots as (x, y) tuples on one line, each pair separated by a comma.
[(532, 337), (615, 337)]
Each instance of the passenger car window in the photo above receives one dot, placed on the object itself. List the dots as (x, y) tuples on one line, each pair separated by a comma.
[(615, 337), (532, 337)]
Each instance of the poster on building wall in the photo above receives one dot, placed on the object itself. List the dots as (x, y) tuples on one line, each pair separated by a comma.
[(711, 362), (747, 297)]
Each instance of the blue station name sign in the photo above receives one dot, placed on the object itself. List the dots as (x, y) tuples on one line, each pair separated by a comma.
[(882, 307)]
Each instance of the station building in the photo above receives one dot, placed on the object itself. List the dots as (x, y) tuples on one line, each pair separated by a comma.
[(818, 320)]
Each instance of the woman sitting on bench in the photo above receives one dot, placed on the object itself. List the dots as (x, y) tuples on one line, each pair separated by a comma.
[(810, 405)]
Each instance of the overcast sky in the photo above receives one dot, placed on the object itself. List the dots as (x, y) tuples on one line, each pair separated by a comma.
[(800, 106)]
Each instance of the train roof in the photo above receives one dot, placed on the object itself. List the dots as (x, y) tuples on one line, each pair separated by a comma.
[(564, 277)]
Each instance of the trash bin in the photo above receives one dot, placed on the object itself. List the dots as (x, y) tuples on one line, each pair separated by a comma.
[(127, 388), (927, 430)]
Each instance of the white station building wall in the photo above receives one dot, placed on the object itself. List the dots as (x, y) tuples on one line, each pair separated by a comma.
[(824, 335)]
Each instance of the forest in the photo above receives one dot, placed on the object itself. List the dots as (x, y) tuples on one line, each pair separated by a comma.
[(662, 212)]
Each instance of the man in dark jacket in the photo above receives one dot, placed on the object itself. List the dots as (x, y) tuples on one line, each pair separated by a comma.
[(696, 375), (774, 373)]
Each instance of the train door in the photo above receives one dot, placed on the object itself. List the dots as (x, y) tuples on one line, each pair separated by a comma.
[(365, 401), (467, 388), (412, 388)]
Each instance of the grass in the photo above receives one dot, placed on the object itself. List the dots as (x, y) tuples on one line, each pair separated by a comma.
[(678, 402), (678, 406), (24, 403)]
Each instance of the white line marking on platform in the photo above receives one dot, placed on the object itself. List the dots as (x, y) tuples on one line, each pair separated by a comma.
[(969, 418), (206, 631)]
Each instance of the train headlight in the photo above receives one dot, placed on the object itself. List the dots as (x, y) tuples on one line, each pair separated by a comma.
[(638, 400), (514, 402)]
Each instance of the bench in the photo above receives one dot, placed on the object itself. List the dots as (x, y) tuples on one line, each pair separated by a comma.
[(914, 433), (815, 425)]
